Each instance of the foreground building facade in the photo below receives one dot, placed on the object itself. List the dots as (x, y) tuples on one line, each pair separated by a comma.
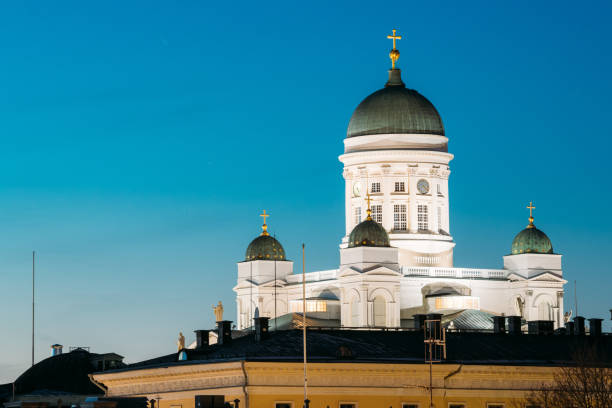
[(353, 368)]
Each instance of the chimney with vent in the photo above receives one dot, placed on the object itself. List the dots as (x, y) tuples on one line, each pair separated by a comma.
[(261, 328), (540, 327), (201, 339), (499, 324), (224, 332), (579, 325), (419, 321), (595, 327), (514, 324)]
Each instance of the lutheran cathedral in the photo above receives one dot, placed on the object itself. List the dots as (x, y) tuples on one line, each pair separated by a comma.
[(396, 259)]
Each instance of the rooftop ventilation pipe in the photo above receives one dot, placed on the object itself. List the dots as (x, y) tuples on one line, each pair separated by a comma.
[(514, 324), (224, 332), (499, 324), (201, 339), (540, 327), (419, 321), (261, 328), (569, 326), (579, 325), (595, 326)]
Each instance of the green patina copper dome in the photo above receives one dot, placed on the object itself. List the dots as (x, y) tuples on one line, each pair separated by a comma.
[(265, 247), (368, 233), (531, 241), (395, 109)]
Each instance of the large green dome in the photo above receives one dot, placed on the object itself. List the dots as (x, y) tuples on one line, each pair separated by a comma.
[(368, 233), (265, 247), (531, 241), (395, 109)]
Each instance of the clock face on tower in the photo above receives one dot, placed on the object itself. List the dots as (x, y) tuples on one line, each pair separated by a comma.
[(357, 189), (423, 186)]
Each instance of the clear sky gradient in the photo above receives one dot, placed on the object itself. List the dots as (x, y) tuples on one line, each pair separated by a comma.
[(140, 140)]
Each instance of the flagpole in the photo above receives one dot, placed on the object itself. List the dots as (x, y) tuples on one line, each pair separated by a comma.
[(33, 259), (306, 400)]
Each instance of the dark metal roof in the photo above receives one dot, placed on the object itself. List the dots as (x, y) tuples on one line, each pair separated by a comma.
[(531, 240), (368, 233), (384, 346), (64, 373), (265, 247), (395, 109)]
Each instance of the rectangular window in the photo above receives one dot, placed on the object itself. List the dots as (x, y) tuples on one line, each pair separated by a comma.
[(410, 406), (375, 188), (399, 217), (282, 405), (377, 213), (311, 306), (357, 214), (439, 218), (439, 190), (422, 217), (400, 186), (345, 405), (495, 405), (456, 405)]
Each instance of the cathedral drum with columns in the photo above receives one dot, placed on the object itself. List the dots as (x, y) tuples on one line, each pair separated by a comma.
[(396, 259)]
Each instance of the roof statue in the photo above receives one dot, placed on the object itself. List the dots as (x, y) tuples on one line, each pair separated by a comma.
[(218, 312), (180, 343)]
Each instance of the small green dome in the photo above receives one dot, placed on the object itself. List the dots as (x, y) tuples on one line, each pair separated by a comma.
[(395, 109), (265, 247), (531, 241), (368, 233)]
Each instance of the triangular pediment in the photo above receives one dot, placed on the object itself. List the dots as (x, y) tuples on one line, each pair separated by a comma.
[(513, 277), (245, 284), (381, 270), (349, 272), (547, 277), (278, 283), (374, 270)]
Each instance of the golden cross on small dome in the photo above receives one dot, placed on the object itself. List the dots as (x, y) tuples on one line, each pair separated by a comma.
[(531, 208), (369, 212), (394, 54), (394, 37), (264, 227)]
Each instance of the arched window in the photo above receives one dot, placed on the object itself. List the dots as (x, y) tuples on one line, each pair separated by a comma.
[(544, 311), (380, 311), (355, 312)]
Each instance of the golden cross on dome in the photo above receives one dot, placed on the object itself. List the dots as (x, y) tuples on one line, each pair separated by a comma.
[(394, 37), (369, 212), (264, 226), (531, 208), (394, 54)]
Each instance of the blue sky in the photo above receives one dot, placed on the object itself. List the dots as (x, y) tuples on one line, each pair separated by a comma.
[(140, 141)]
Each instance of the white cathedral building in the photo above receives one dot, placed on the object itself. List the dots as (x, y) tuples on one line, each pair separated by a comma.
[(396, 259)]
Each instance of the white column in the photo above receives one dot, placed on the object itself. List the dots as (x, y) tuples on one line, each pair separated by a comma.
[(412, 205), (348, 199)]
